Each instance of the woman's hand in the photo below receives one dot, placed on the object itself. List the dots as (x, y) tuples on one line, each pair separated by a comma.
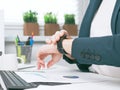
[(56, 37), (46, 50), (51, 49)]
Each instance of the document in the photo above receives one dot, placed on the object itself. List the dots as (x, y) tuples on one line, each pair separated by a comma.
[(59, 73), (82, 86)]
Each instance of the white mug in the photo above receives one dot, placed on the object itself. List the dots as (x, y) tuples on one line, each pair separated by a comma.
[(8, 62)]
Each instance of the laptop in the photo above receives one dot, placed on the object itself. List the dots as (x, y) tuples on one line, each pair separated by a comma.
[(11, 81)]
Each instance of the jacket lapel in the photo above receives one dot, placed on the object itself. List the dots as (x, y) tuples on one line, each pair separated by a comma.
[(114, 17)]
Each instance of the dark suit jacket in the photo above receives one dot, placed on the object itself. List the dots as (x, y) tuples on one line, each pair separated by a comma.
[(97, 50)]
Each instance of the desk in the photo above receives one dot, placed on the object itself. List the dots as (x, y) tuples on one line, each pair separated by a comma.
[(82, 86), (86, 81)]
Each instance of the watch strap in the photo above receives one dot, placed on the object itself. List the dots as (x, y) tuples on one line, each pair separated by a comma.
[(59, 45)]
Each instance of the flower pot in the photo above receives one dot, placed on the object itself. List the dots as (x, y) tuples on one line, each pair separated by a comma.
[(50, 29), (31, 28), (71, 29)]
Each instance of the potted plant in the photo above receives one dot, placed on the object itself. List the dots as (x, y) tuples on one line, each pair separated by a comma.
[(70, 25), (51, 25), (31, 26)]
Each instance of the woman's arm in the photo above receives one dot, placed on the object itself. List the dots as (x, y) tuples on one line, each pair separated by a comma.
[(67, 45), (97, 50)]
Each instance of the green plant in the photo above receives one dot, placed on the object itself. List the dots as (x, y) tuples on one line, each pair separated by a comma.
[(30, 17), (69, 18), (50, 18)]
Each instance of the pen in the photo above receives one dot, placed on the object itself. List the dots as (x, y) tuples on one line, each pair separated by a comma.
[(32, 35), (27, 42), (30, 41), (17, 40)]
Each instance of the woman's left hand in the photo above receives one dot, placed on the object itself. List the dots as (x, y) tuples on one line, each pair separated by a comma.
[(46, 50)]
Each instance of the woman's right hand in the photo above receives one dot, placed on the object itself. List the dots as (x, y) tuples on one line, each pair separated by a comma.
[(56, 37)]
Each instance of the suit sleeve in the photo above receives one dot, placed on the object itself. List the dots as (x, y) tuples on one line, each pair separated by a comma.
[(97, 50)]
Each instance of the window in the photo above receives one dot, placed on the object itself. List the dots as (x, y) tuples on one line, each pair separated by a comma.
[(14, 9)]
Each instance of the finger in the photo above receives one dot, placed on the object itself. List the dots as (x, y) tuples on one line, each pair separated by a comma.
[(48, 41), (41, 64), (41, 54), (38, 66), (62, 32), (51, 63), (55, 59), (57, 36), (57, 32), (53, 39), (40, 60)]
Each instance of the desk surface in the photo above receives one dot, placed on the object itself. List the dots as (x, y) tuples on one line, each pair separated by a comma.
[(86, 81), (82, 86)]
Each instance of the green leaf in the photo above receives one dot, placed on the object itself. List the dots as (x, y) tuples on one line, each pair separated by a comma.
[(69, 18), (50, 18), (30, 16)]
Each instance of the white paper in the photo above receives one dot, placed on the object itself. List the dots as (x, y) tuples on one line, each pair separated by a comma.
[(56, 73), (81, 86)]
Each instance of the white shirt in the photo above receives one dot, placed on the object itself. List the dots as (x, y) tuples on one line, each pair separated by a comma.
[(101, 26)]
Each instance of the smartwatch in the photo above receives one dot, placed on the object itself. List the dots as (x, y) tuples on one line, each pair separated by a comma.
[(59, 45)]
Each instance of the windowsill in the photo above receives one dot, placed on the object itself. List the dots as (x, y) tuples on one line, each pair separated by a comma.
[(24, 38), (14, 29)]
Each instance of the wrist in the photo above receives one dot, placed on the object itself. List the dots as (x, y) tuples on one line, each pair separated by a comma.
[(67, 45)]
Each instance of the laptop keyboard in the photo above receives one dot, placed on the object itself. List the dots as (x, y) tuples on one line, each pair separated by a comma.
[(14, 81)]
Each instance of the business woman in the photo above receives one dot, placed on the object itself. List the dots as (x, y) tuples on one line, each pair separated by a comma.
[(87, 51)]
